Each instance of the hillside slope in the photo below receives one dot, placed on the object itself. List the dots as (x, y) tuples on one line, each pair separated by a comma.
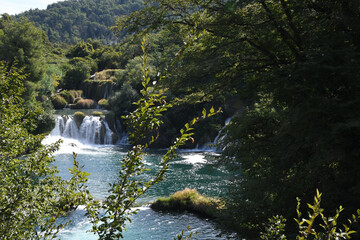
[(74, 20)]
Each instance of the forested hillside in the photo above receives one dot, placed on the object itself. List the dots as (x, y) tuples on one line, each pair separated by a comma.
[(75, 20)]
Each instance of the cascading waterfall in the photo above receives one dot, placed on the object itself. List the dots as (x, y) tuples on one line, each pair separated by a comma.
[(108, 90), (211, 145), (93, 130), (122, 135)]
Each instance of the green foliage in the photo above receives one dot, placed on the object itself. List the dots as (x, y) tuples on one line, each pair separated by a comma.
[(76, 72), (317, 226), (121, 101), (45, 118), (50, 80), (188, 200), (71, 95), (22, 44), (81, 49), (67, 96), (72, 21), (78, 118), (182, 235), (104, 103), (84, 104), (97, 113), (32, 195), (58, 102), (275, 229), (129, 187), (295, 67)]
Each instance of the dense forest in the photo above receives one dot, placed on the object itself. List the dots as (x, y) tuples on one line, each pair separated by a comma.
[(72, 21), (286, 72)]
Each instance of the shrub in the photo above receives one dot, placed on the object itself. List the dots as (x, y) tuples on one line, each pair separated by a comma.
[(71, 95), (104, 103), (58, 102), (317, 226), (76, 93), (189, 200), (84, 104), (78, 118), (67, 96)]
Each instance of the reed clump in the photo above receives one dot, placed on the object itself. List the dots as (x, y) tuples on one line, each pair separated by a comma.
[(189, 200)]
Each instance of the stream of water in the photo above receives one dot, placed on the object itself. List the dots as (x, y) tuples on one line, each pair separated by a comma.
[(191, 170)]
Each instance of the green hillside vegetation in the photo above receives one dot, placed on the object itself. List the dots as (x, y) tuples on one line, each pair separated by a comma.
[(75, 20)]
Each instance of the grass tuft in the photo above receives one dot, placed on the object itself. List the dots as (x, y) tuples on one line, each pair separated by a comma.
[(189, 200)]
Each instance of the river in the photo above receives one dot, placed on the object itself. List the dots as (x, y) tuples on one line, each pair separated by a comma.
[(190, 170)]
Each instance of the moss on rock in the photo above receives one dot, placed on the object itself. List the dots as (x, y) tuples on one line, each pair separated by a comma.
[(78, 118), (58, 102), (104, 103), (71, 95), (97, 113)]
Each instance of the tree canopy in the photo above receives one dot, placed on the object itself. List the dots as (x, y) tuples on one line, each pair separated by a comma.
[(32, 195), (294, 66)]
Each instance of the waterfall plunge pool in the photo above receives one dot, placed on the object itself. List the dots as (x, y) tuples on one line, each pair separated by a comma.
[(103, 162)]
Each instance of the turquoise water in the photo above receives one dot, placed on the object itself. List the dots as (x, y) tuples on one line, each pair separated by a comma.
[(190, 170)]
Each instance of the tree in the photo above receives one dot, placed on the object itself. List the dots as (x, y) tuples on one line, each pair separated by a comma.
[(77, 71), (81, 49), (23, 43), (32, 196), (295, 65)]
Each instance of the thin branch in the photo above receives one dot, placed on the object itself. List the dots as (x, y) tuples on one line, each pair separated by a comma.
[(298, 40)]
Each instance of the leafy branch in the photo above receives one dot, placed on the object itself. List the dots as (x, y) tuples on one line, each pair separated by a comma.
[(310, 228), (109, 217)]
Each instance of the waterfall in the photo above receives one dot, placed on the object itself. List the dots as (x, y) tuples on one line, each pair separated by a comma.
[(122, 135), (211, 146), (93, 130), (107, 91)]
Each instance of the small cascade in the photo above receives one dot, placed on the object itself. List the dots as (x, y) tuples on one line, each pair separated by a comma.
[(108, 90), (122, 135), (211, 146), (93, 130), (108, 138)]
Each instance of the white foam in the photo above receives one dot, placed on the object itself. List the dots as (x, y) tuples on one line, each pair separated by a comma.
[(70, 145)]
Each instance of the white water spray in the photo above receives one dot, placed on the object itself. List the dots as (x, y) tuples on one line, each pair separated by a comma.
[(93, 130)]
